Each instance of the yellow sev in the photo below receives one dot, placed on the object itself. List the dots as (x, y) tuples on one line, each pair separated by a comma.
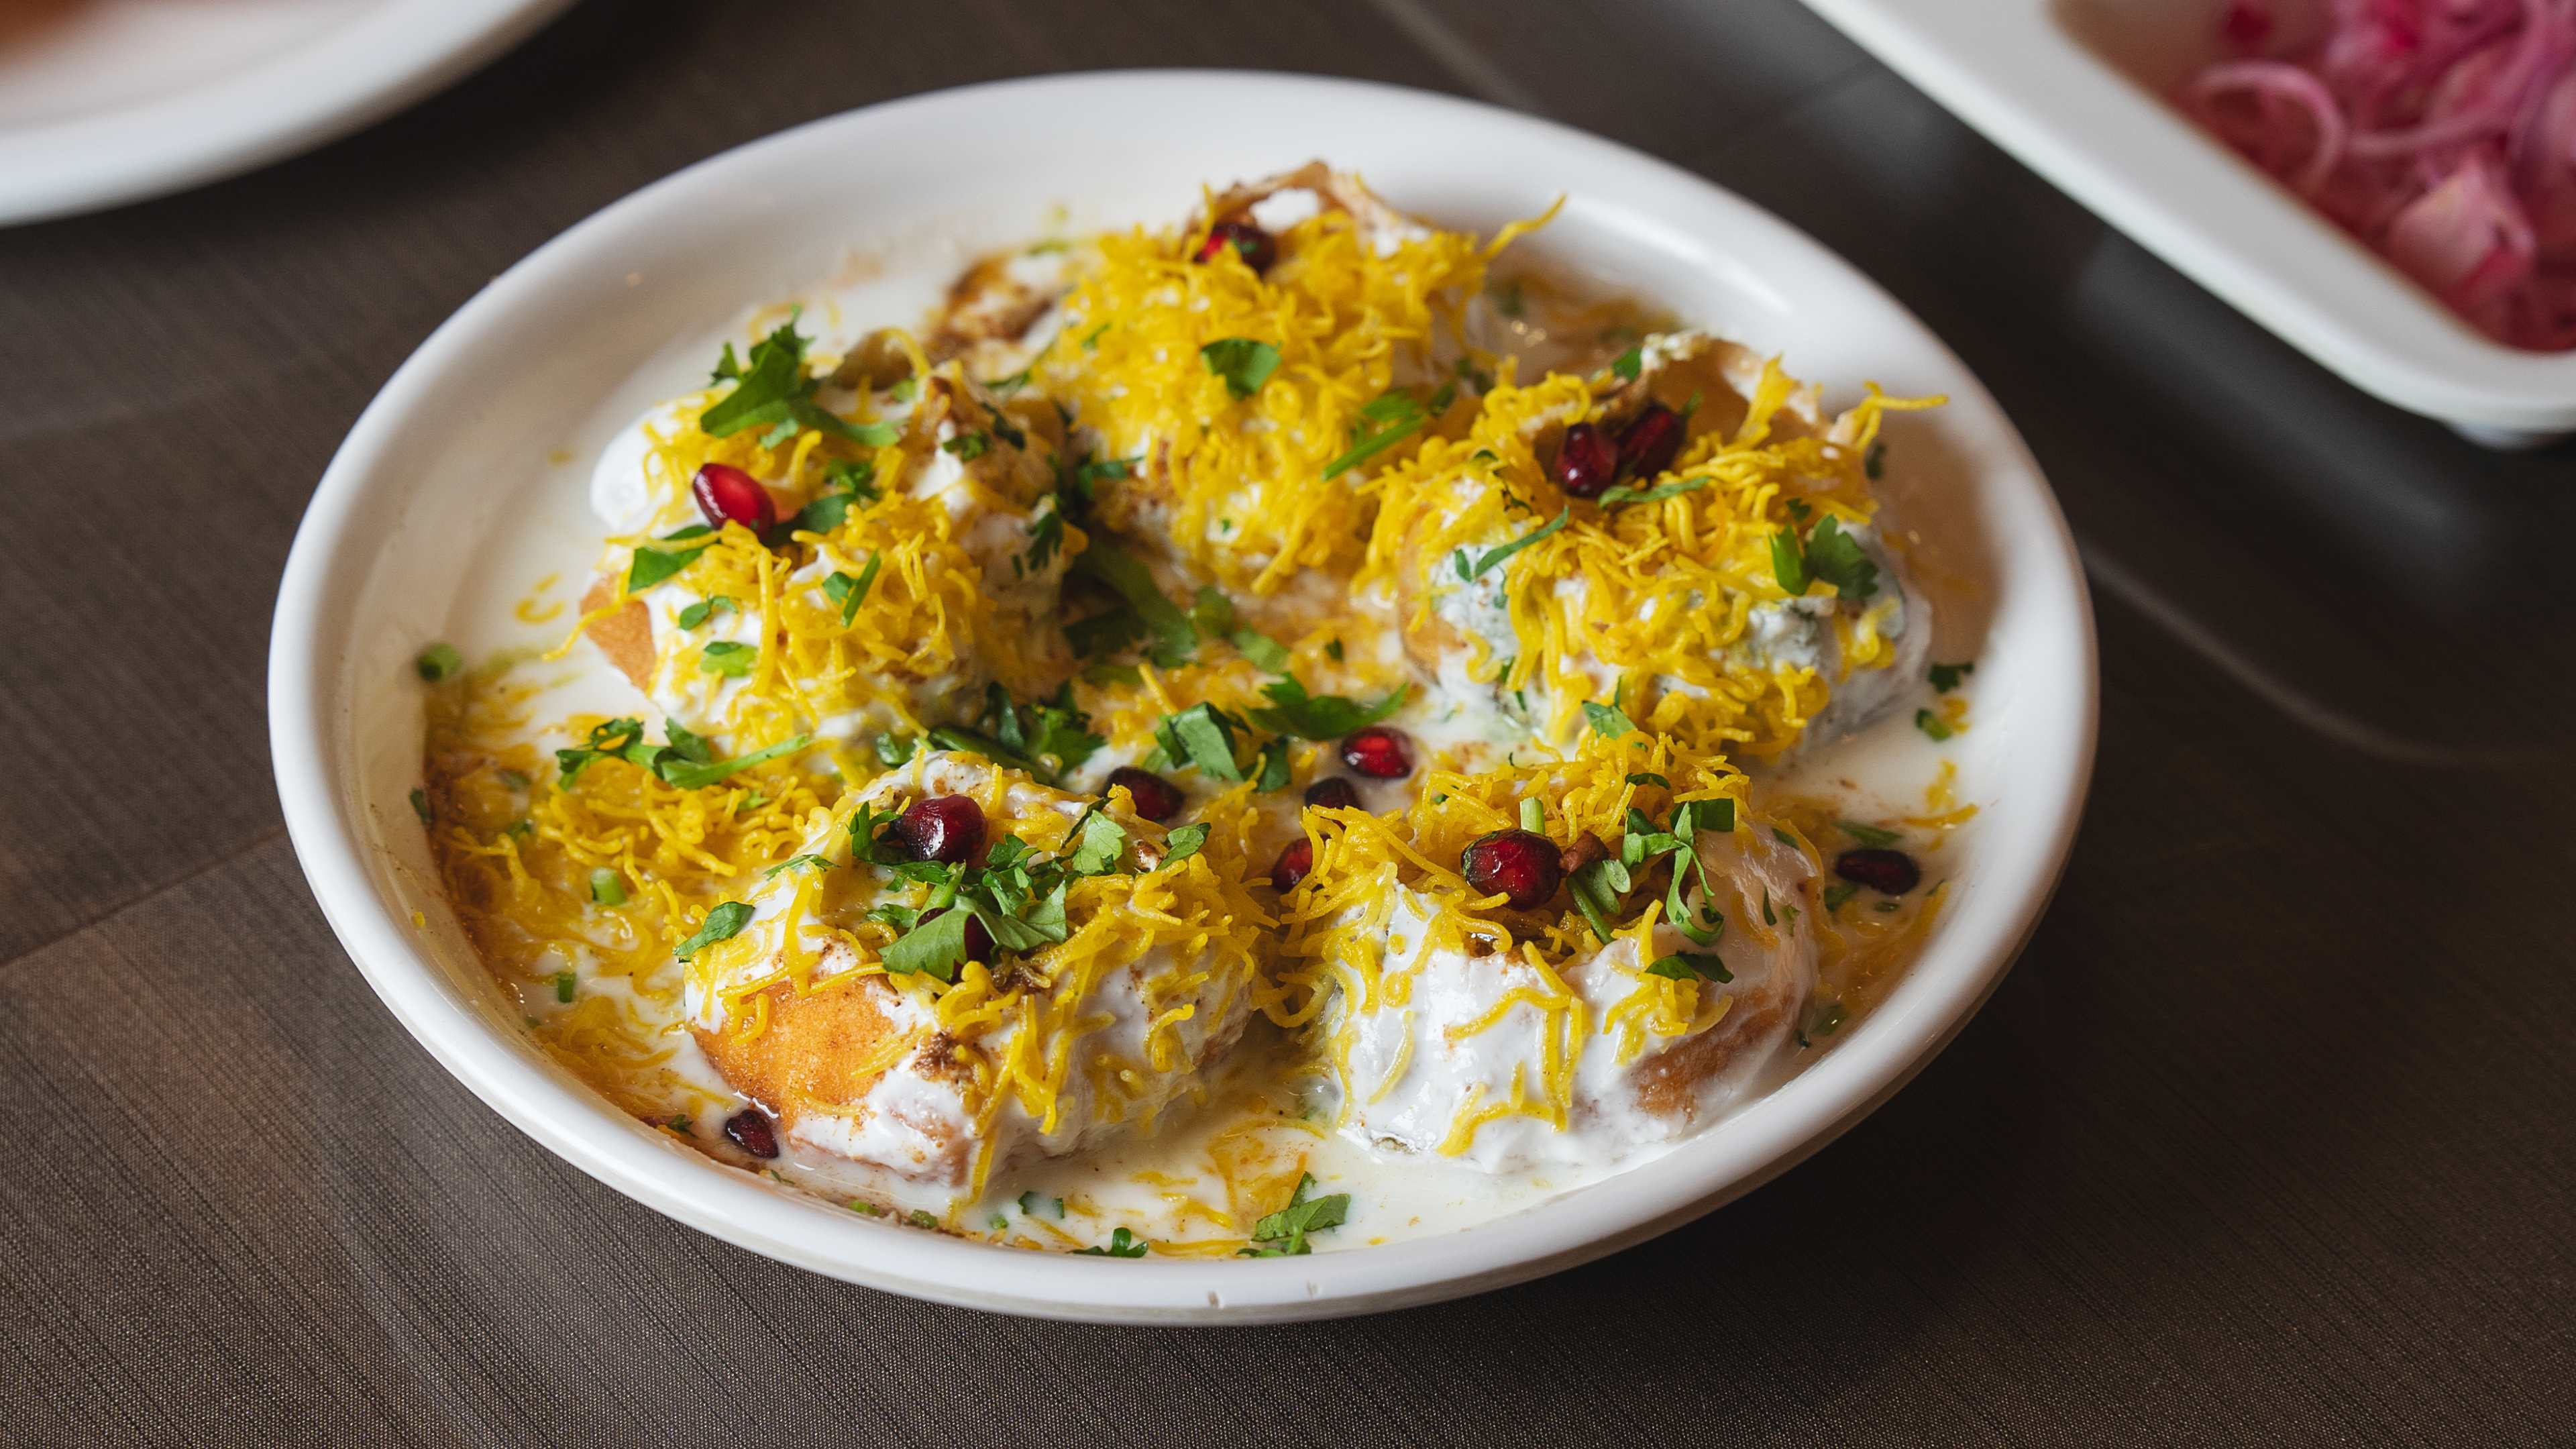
[(1025, 1036), (1648, 602), (1351, 315), (1337, 943)]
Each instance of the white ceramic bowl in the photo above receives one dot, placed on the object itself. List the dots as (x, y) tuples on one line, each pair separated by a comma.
[(122, 99), (2079, 91), (454, 449)]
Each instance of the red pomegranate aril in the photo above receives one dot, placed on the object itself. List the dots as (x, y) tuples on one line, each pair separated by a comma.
[(979, 942), (1292, 865), (1520, 865), (753, 1132), (1377, 752), (1586, 463), (729, 495), (1157, 799), (944, 828), (1889, 872), (1333, 793), (1257, 247), (1651, 442)]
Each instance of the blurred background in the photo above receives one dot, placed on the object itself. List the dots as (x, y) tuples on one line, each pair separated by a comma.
[(2266, 1136)]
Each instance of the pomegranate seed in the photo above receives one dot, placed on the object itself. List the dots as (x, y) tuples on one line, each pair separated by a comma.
[(1520, 865), (945, 828), (1257, 247), (979, 942), (730, 495), (752, 1131), (1651, 442), (1377, 752), (1157, 799), (1333, 793), (1889, 872), (1293, 863), (1585, 462)]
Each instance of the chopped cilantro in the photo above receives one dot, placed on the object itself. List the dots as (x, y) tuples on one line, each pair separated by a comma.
[(1122, 1244), (1837, 893), (1265, 652), (1630, 363), (1243, 363), (807, 862), (1932, 724), (1333, 650), (687, 762), (1391, 419), (932, 948), (1867, 834), (849, 592), (921, 1218), (1183, 843), (1836, 557), (1100, 844), (1644, 777), (1212, 612), (1874, 461), (1608, 720), (733, 661), (1946, 677), (703, 610), (1131, 581), (1494, 556), (1623, 494), (1788, 563), (1286, 1229), (1029, 1204), (1682, 966), (773, 392), (1292, 711), (439, 662), (420, 806), (1201, 737), (722, 924), (966, 447), (653, 565)]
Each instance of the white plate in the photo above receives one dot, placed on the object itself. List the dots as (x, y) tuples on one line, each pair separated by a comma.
[(455, 447), (2078, 90), (103, 101)]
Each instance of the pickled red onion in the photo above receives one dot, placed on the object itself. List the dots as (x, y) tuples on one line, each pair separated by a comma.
[(2441, 132)]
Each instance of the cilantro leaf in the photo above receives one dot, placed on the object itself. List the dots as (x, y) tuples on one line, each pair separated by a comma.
[(1264, 652), (1932, 725), (1682, 966), (1183, 843), (1836, 557), (1836, 894), (722, 924), (731, 660), (849, 592), (1788, 563), (1289, 1226), (933, 948), (773, 392), (806, 862), (1868, 834), (1946, 677), (1494, 556), (1292, 711), (1608, 720), (697, 775), (704, 609), (968, 446), (1175, 641), (439, 662), (653, 565), (1122, 1244), (1630, 363), (1202, 737), (1100, 844), (1396, 416), (1244, 363), (1625, 494), (1212, 612)]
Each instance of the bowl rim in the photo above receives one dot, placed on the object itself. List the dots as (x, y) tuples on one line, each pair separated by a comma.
[(2018, 72), (362, 70), (1762, 1139)]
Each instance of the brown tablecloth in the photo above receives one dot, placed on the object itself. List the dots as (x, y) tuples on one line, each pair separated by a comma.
[(2267, 1137)]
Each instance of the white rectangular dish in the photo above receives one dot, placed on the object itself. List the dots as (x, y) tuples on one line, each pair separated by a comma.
[(2078, 91)]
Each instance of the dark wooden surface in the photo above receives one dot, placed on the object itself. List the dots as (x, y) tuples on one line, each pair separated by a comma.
[(2267, 1138)]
